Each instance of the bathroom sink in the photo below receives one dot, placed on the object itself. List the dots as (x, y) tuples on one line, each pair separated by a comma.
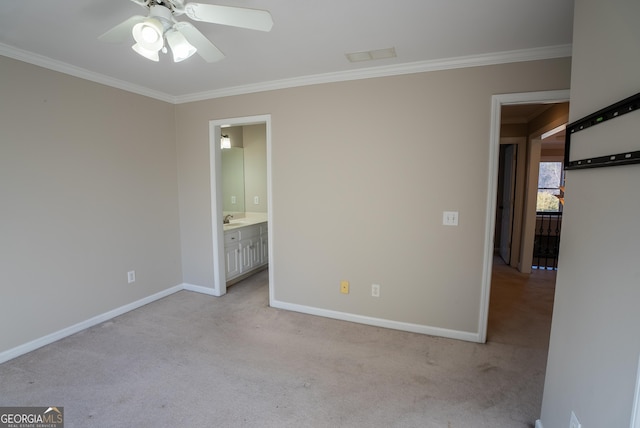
[(233, 224)]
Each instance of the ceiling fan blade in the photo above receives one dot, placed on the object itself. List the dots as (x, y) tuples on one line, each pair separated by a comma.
[(122, 31), (207, 50), (252, 19)]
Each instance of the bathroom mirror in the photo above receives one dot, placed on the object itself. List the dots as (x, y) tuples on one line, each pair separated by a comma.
[(233, 180)]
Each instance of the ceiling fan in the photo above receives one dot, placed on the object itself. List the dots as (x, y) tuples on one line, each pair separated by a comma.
[(184, 39)]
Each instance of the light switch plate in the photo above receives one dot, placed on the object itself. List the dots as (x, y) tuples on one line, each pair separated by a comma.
[(450, 218), (375, 290)]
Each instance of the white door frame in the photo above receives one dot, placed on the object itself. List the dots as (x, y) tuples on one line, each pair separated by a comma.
[(217, 235), (497, 101), (635, 413)]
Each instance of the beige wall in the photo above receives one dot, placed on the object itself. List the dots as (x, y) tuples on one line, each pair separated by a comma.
[(594, 346), (255, 162), (361, 173), (88, 189)]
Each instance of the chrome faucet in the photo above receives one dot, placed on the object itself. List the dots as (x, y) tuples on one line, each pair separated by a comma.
[(227, 219)]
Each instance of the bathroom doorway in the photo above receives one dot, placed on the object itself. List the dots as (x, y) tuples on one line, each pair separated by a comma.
[(264, 201)]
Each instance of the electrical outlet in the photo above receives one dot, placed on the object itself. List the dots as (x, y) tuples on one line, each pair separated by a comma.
[(450, 218), (574, 421), (131, 276), (344, 287), (256, 200), (375, 290)]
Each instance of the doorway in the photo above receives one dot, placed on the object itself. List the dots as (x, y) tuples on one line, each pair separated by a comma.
[(510, 194), (523, 227), (216, 128), (506, 194), (497, 103)]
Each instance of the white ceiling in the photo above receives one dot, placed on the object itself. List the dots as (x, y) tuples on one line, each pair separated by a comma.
[(307, 44)]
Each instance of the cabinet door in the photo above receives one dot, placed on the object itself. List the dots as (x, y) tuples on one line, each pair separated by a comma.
[(232, 260), (255, 252), (264, 249), (250, 253), (247, 247)]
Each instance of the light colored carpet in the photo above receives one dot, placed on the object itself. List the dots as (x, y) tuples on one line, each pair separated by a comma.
[(191, 360)]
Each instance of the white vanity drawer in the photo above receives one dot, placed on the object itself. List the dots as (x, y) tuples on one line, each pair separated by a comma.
[(249, 231), (232, 237)]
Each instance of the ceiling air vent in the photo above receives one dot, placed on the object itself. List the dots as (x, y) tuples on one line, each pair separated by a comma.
[(371, 55)]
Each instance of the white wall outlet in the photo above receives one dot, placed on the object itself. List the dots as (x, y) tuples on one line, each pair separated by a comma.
[(233, 200), (131, 276), (375, 290), (256, 200), (574, 421), (450, 218)]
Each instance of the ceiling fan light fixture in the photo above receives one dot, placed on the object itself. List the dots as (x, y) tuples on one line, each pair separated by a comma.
[(149, 34), (180, 47), (182, 37), (149, 54)]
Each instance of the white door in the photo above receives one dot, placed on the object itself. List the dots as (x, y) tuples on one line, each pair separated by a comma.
[(508, 194)]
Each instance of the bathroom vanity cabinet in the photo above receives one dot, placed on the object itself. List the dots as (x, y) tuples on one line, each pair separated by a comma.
[(246, 250)]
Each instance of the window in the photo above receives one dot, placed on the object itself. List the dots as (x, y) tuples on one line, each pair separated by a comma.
[(550, 178)]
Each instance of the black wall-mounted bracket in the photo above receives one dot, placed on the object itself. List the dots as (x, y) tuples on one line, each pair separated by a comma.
[(614, 111)]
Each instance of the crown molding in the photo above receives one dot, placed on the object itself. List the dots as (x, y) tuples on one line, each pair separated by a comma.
[(535, 54), (62, 67), (549, 52)]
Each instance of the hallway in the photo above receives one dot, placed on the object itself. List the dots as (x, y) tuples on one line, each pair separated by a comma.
[(521, 306)]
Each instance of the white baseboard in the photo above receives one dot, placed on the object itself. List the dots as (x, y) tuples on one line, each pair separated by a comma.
[(361, 319), (68, 331), (539, 424), (378, 322), (199, 289)]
